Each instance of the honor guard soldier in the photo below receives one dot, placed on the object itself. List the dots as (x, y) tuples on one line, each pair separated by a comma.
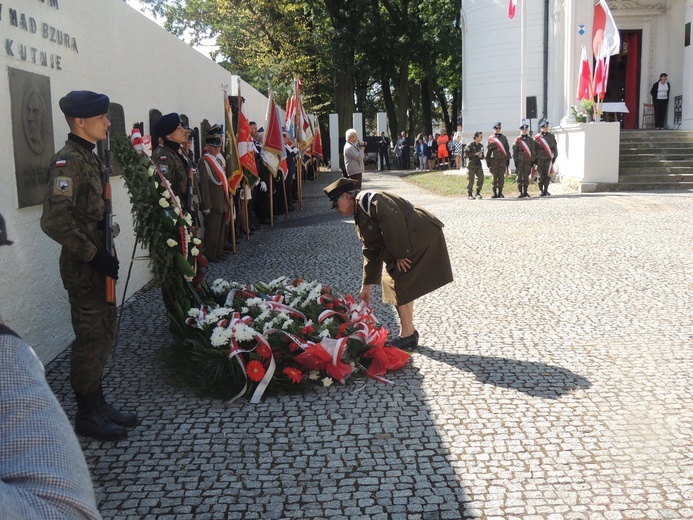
[(524, 157), (474, 152), (167, 156), (73, 216), (498, 159), (547, 151), (216, 201)]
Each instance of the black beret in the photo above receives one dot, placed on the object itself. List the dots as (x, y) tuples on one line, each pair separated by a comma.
[(167, 124), (213, 140), (84, 103), (339, 187)]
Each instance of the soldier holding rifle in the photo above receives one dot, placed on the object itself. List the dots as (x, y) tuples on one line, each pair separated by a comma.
[(74, 215)]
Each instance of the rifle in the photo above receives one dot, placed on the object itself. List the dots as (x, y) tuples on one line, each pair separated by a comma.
[(108, 218)]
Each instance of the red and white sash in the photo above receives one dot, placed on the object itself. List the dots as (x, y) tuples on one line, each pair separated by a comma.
[(499, 145), (221, 175), (524, 147), (547, 149)]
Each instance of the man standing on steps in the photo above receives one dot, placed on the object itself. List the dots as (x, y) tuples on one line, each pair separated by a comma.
[(73, 216), (498, 159)]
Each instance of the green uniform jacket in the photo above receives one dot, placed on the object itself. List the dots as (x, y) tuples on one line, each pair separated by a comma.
[(551, 141), (391, 228), (519, 153), (171, 165), (73, 206)]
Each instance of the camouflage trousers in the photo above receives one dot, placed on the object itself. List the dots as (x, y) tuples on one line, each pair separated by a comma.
[(94, 323), (523, 170), (498, 167), (543, 166), (475, 171)]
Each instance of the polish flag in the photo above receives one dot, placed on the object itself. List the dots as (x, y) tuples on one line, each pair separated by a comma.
[(585, 84), (512, 4), (600, 73), (604, 31)]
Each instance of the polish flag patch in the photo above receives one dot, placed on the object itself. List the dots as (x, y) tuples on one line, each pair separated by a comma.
[(61, 163)]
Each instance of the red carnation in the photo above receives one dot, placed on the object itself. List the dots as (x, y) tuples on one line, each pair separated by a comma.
[(202, 261), (307, 330)]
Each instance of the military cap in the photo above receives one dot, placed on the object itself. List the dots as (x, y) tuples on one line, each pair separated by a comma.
[(84, 103), (543, 123), (497, 125), (167, 124), (215, 129), (3, 234), (523, 126), (213, 140), (338, 188)]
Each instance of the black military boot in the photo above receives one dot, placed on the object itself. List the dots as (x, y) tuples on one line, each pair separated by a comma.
[(478, 194), (470, 196), (521, 193), (90, 422), (121, 418), (500, 193), (495, 194), (526, 194), (546, 188)]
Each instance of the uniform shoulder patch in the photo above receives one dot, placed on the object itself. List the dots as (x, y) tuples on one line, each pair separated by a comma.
[(162, 157), (63, 186), (61, 163)]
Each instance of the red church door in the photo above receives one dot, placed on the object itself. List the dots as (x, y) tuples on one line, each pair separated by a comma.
[(624, 78)]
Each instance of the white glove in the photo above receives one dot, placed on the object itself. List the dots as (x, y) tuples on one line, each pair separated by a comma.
[(263, 186), (205, 212)]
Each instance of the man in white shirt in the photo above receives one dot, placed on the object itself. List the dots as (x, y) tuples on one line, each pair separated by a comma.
[(354, 153)]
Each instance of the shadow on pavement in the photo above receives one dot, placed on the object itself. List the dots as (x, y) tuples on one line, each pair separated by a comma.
[(530, 377)]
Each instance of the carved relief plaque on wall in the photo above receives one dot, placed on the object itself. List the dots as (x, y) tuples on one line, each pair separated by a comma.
[(32, 133)]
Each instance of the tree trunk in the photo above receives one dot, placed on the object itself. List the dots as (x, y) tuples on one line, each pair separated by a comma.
[(389, 107), (426, 106), (344, 95), (403, 89)]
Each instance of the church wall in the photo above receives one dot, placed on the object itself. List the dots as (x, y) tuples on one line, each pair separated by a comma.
[(112, 49), (491, 65)]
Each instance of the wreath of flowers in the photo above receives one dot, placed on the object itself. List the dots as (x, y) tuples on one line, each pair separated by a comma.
[(234, 340)]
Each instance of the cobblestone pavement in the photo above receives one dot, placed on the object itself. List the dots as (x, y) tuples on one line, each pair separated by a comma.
[(553, 380)]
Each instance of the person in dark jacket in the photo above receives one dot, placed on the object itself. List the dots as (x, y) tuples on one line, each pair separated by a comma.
[(660, 100), (408, 240)]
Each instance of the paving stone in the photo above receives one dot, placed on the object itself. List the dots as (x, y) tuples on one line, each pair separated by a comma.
[(552, 379)]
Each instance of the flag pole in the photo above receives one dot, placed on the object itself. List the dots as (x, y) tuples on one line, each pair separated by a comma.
[(299, 162), (523, 113), (232, 209), (271, 177), (246, 223)]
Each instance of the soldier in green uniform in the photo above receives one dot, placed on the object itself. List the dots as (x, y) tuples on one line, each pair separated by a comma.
[(73, 216), (524, 156), (407, 240), (498, 159), (547, 151), (168, 156), (474, 152)]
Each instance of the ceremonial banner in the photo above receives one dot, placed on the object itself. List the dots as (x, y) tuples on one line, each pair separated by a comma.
[(317, 141), (234, 173), (604, 31), (246, 151), (585, 85), (273, 144)]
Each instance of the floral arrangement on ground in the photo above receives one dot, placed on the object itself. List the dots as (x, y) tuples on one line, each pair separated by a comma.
[(280, 336)]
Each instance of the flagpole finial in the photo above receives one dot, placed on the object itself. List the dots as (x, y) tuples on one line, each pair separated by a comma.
[(224, 86)]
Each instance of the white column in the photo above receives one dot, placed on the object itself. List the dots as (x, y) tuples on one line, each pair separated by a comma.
[(357, 122), (381, 125), (334, 142)]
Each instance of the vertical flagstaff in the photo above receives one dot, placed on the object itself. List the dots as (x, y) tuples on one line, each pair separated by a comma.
[(523, 113), (299, 165), (246, 219)]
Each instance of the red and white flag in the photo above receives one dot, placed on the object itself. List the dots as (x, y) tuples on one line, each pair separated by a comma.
[(317, 141), (512, 4), (601, 72), (585, 84), (604, 31), (246, 151)]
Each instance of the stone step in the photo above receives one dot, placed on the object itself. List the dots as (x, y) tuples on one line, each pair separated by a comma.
[(654, 148), (653, 162), (641, 186), (664, 172), (672, 178)]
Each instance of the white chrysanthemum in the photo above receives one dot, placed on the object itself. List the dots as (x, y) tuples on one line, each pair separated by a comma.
[(253, 302), (309, 323), (244, 310), (194, 251), (265, 315), (219, 337), (193, 312), (329, 321), (326, 381), (325, 334), (163, 203), (314, 375), (287, 324), (171, 243), (242, 332), (277, 282)]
